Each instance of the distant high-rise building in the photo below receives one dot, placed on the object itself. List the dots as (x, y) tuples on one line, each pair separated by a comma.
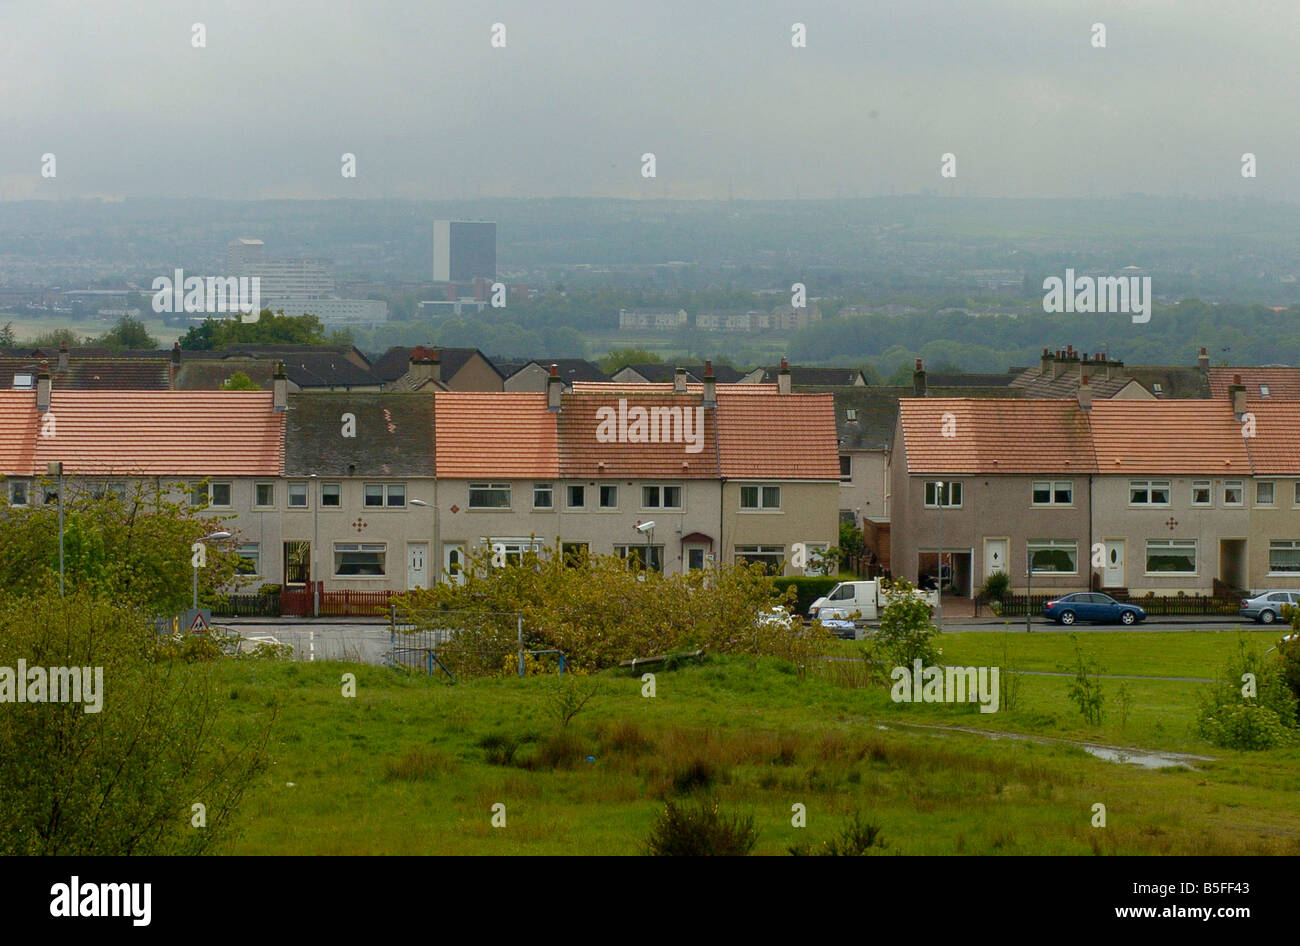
[(282, 277), (464, 250)]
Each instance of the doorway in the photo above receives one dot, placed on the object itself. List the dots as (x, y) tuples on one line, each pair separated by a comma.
[(417, 565), (1112, 572)]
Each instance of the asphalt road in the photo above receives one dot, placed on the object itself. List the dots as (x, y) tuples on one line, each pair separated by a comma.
[(368, 641)]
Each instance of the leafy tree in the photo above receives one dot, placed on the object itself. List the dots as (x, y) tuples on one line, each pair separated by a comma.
[(7, 337), (239, 381), (128, 332), (121, 778), (599, 610), (618, 357), (269, 329), (133, 549), (53, 339), (906, 631)]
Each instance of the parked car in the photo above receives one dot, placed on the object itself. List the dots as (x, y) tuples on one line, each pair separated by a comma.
[(1094, 607), (776, 617), (1266, 607)]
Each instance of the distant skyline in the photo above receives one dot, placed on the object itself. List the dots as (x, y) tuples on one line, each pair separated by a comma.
[(1013, 88)]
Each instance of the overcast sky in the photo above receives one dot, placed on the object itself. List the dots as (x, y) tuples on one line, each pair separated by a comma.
[(713, 88)]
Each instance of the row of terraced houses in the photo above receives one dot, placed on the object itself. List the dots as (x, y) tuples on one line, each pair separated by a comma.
[(385, 491), (1147, 496)]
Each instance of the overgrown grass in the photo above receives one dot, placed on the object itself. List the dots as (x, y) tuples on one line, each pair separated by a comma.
[(412, 765)]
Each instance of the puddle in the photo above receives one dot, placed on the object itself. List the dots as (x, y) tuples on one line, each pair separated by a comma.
[(1147, 760)]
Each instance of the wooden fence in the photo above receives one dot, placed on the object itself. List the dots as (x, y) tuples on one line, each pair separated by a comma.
[(1154, 605), (298, 603)]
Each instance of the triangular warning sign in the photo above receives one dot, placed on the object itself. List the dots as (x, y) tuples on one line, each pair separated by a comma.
[(199, 624)]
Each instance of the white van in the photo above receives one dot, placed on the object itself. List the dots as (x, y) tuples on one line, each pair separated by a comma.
[(859, 601), (851, 600)]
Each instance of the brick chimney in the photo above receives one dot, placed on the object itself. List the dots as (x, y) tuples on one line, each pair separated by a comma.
[(63, 356), (1237, 392), (783, 378), (43, 389), (1059, 366), (554, 388), (280, 389), (1203, 360), (679, 381), (1085, 393), (1045, 365), (710, 386), (425, 364), (918, 379)]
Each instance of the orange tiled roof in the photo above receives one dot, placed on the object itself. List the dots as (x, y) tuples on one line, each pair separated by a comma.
[(1283, 381), (498, 434), (1193, 436), (1275, 448), (788, 437), (18, 428), (996, 436), (159, 433), (582, 424)]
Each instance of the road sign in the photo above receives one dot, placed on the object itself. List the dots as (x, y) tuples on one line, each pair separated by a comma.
[(197, 620)]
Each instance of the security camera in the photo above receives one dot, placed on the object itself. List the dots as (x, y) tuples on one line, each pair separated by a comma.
[(646, 526)]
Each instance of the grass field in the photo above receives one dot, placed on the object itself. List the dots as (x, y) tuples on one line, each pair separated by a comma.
[(27, 327), (413, 765)]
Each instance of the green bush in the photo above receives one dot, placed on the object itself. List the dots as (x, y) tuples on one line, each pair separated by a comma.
[(906, 632), (996, 586), (699, 829), (808, 588), (1231, 718), (855, 839)]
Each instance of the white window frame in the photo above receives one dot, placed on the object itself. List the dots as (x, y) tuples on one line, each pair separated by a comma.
[(26, 485), (600, 496), (320, 495), (1150, 486), (932, 489), (1272, 486), (1234, 484), (1208, 486), (1070, 545), (493, 488), (1052, 486), (662, 496), (846, 459), (549, 490), (359, 547), (306, 494), (1171, 544), (761, 497), (568, 495), (257, 487), (638, 549), (255, 556), (1280, 545)]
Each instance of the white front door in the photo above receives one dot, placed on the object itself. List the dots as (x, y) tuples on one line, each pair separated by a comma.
[(995, 556), (417, 565), (1113, 572), (453, 562)]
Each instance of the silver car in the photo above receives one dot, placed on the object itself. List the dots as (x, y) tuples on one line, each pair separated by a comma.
[(1266, 607)]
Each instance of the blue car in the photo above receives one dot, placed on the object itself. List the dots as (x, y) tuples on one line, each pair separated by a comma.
[(1091, 606)]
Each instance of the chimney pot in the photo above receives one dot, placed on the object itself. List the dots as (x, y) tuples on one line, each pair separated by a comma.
[(918, 380), (43, 389), (63, 356), (280, 389), (710, 386), (554, 388), (783, 378)]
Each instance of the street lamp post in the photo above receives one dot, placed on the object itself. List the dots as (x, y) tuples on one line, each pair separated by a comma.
[(939, 490), (214, 536), (56, 469), (315, 549)]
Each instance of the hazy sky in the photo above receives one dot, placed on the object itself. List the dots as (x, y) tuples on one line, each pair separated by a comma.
[(1014, 88)]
